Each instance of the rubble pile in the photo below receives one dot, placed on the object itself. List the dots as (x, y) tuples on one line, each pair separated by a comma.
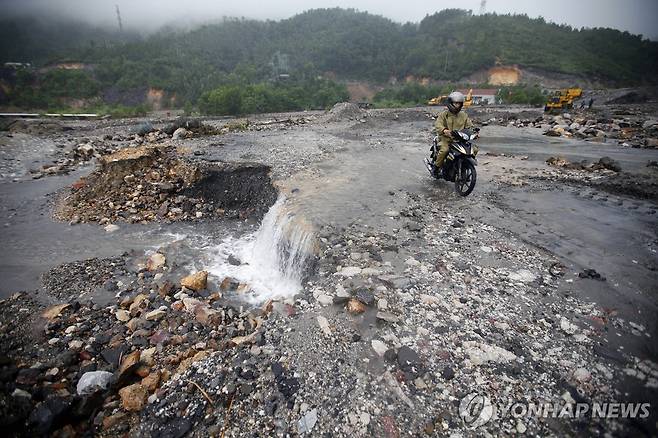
[(626, 132), (187, 128), (626, 128), (151, 183), (345, 111), (605, 163), (79, 367)]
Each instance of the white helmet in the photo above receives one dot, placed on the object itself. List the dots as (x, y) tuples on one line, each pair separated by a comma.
[(453, 98)]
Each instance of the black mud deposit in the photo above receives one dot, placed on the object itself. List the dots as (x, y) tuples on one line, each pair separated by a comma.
[(235, 186)]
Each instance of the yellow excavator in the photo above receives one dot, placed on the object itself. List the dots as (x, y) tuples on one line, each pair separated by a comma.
[(563, 99), (441, 100)]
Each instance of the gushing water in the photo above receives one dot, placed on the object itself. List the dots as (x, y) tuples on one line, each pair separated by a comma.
[(273, 260)]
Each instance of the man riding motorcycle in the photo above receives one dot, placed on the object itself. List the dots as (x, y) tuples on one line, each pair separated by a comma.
[(453, 119)]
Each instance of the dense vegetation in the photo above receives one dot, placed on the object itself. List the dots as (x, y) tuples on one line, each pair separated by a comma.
[(412, 94), (335, 43), (266, 98)]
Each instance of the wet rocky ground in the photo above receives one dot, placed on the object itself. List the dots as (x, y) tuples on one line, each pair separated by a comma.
[(537, 288)]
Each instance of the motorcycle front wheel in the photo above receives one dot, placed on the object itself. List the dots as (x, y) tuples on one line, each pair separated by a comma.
[(465, 178)]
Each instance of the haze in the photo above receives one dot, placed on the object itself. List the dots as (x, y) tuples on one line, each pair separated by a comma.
[(635, 16)]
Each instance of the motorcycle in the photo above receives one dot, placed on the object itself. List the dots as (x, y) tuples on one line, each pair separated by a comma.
[(459, 165)]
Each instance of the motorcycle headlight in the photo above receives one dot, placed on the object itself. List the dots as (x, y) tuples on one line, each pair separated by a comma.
[(463, 135)]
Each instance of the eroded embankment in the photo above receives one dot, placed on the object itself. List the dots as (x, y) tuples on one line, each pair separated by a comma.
[(150, 183)]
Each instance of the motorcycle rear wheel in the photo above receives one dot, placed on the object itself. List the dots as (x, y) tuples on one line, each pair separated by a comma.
[(465, 178)]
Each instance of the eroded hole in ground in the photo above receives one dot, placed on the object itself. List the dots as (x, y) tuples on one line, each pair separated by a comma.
[(147, 183)]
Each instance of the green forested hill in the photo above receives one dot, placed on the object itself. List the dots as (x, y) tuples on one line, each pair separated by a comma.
[(447, 45)]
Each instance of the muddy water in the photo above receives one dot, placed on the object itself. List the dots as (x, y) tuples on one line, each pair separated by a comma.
[(32, 242), (364, 180)]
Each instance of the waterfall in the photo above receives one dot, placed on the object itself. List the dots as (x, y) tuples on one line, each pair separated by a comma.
[(273, 260)]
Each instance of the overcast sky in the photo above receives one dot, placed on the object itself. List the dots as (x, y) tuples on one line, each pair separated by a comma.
[(635, 16)]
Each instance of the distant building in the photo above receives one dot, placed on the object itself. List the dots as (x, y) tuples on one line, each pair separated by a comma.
[(481, 96)]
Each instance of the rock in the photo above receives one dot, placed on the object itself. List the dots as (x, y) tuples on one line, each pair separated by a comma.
[(229, 284), (139, 303), (133, 397), (233, 260), (388, 317), (448, 373), (195, 282), (155, 315), (523, 276), (355, 306), (76, 344), (93, 381), (144, 129), (554, 132), (176, 428), (582, 375), (307, 422), (480, 353), (650, 123), (53, 312), (147, 356), (409, 361), (129, 364), (610, 164), (111, 228), (324, 325), (122, 315), (379, 347), (185, 364), (365, 296), (382, 304), (591, 273), (112, 355), (202, 312), (179, 133), (568, 327), (414, 226), (135, 324), (155, 261), (114, 420), (151, 382), (325, 300), (349, 271), (21, 393)]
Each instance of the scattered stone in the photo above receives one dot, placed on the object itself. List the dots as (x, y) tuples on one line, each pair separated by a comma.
[(307, 422), (93, 381), (388, 317), (379, 347), (111, 228), (324, 325), (480, 353), (195, 282), (355, 306), (133, 397), (568, 327), (523, 276), (155, 261), (591, 273)]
